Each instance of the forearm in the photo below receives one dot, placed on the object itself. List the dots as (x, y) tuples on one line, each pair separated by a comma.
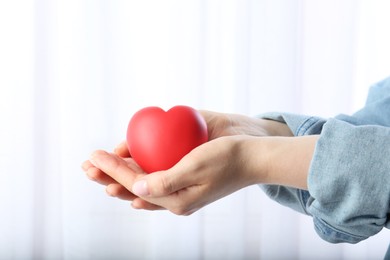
[(278, 160)]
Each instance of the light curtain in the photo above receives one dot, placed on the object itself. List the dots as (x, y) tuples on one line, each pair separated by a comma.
[(73, 72)]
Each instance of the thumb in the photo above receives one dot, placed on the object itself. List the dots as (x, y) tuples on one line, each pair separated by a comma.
[(163, 183)]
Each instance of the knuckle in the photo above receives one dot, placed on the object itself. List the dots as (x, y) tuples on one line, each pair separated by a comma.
[(181, 209), (165, 186), (115, 164)]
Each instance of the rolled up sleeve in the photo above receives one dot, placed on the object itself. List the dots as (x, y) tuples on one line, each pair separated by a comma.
[(349, 178), (349, 181)]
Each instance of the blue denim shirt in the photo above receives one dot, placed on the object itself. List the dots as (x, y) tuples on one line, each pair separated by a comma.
[(349, 178)]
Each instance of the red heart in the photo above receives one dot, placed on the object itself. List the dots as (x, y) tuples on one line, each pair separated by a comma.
[(157, 140)]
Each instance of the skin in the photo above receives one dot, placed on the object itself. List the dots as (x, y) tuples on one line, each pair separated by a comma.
[(241, 151)]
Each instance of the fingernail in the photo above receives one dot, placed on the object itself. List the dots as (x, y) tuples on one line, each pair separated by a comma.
[(85, 166), (140, 188), (109, 191)]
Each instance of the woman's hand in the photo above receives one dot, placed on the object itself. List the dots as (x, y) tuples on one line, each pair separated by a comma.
[(209, 172), (220, 124)]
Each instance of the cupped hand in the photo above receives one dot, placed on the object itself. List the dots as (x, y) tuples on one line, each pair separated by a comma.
[(209, 172), (206, 174)]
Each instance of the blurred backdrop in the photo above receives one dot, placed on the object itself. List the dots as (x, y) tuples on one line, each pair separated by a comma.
[(73, 72)]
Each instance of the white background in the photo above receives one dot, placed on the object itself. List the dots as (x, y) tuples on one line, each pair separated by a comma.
[(73, 72)]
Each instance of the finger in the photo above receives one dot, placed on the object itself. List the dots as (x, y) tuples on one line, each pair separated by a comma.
[(98, 176), (139, 203), (115, 167), (122, 150), (119, 191), (86, 165), (209, 117), (163, 183), (133, 165), (184, 202)]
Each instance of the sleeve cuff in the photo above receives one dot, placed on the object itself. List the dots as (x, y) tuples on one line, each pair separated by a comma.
[(349, 181), (299, 124)]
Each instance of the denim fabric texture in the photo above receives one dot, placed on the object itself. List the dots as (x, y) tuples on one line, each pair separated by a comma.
[(349, 178)]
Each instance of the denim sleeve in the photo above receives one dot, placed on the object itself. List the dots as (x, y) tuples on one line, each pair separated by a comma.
[(377, 108), (349, 181), (349, 178)]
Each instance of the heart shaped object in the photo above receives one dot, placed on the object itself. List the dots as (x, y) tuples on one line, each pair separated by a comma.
[(157, 140)]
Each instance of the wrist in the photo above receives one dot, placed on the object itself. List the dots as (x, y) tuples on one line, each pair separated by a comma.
[(277, 160), (253, 157), (275, 128)]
